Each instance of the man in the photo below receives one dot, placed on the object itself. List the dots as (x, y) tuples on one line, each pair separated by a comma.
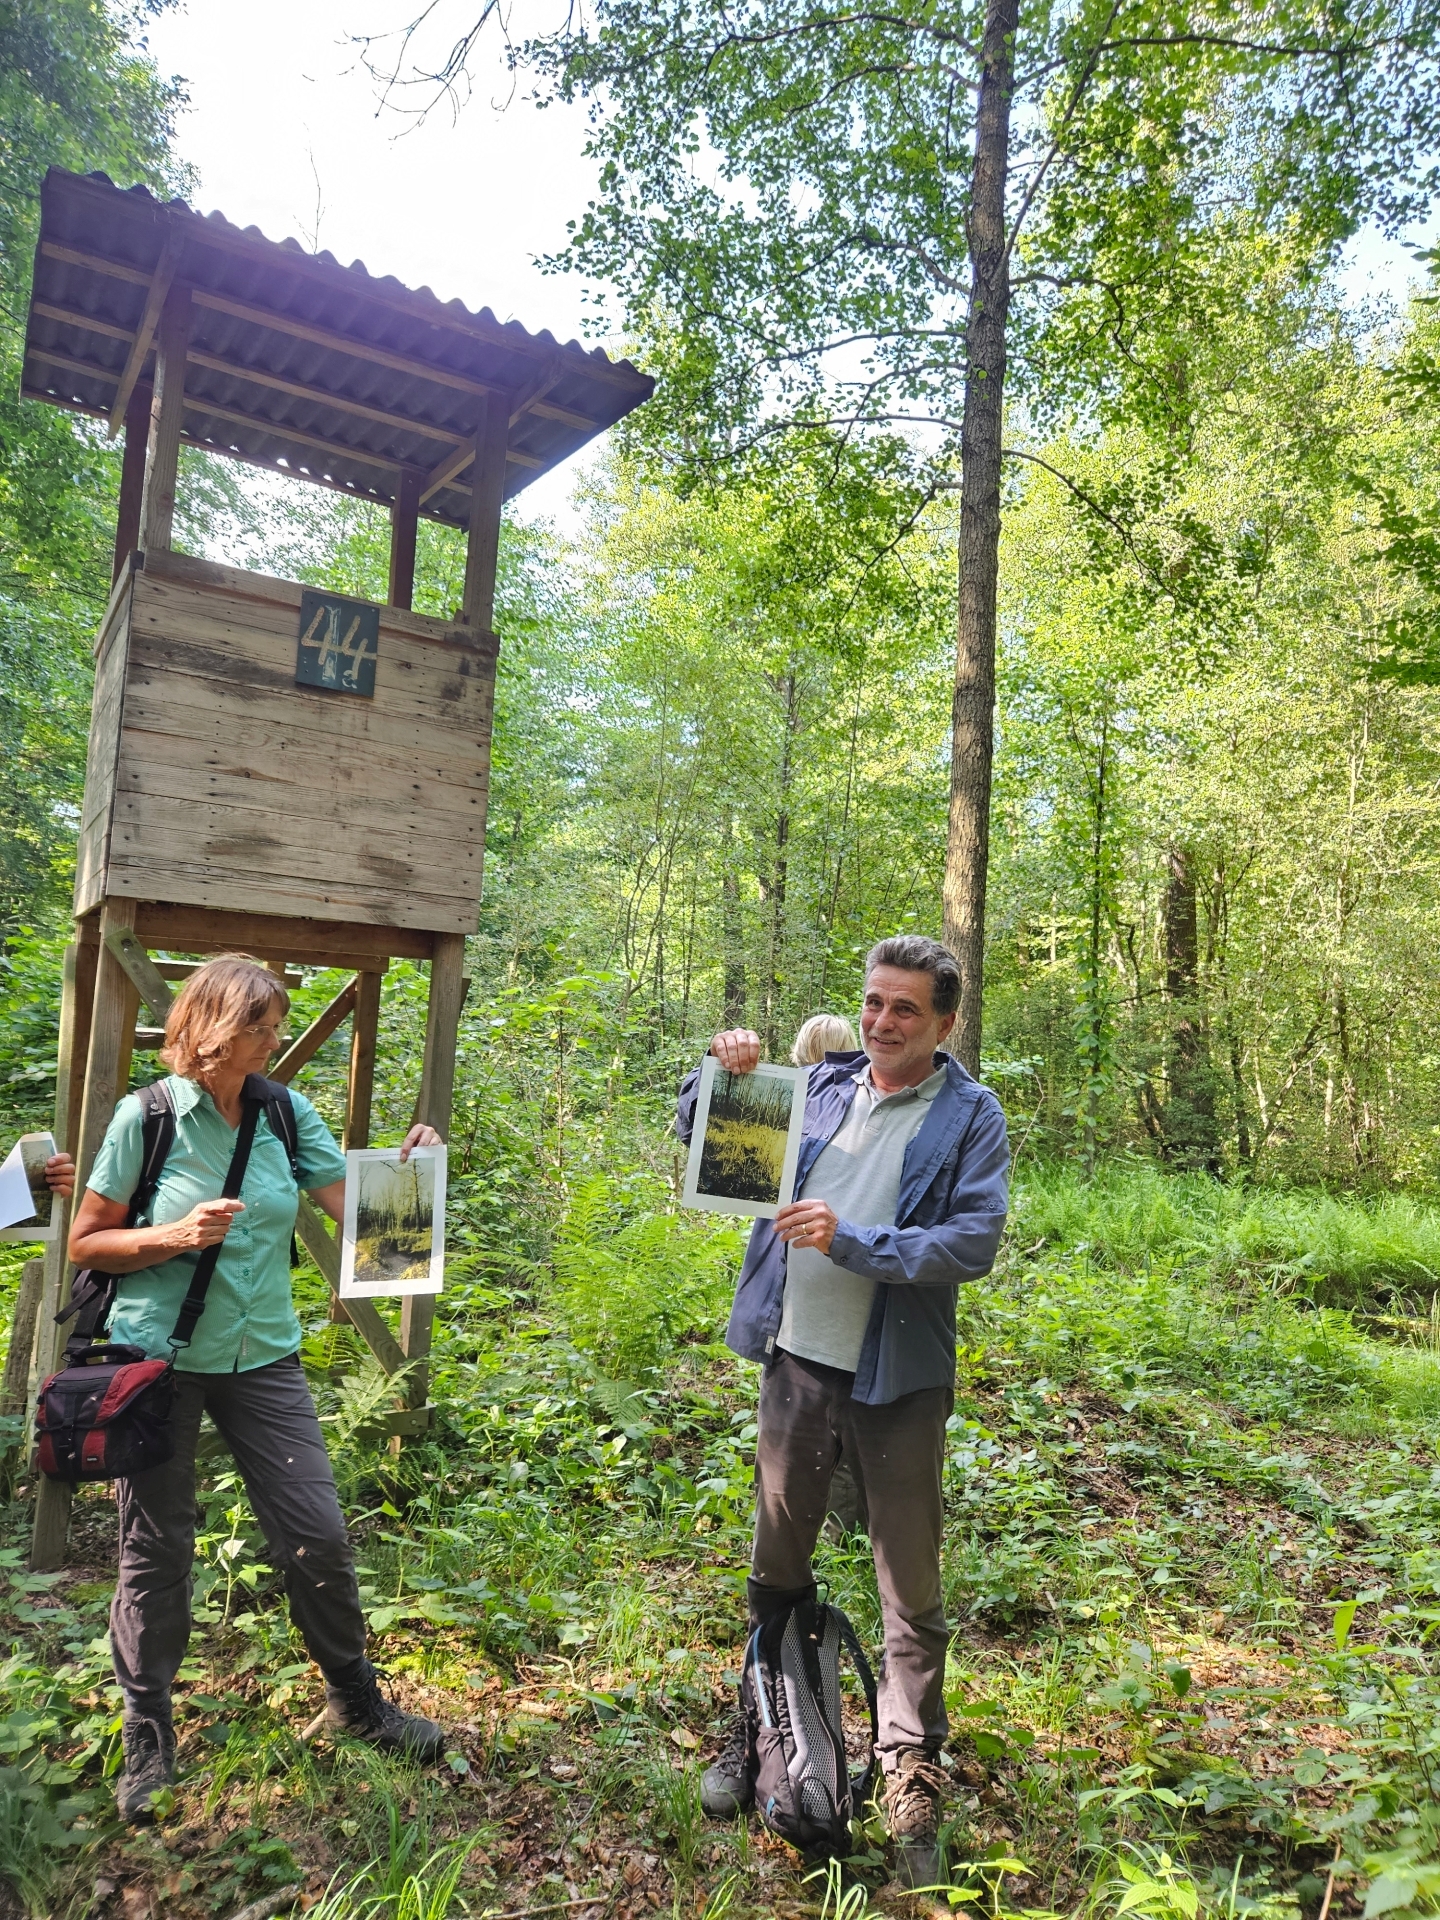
[(848, 1300)]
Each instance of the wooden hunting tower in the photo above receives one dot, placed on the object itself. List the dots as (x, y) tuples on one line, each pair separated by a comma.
[(286, 772)]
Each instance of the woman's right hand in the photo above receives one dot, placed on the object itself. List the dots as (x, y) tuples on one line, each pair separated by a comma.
[(204, 1226)]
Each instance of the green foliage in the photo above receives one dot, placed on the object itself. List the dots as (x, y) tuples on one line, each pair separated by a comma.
[(630, 1283)]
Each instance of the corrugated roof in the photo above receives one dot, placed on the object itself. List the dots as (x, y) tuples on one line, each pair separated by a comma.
[(299, 363)]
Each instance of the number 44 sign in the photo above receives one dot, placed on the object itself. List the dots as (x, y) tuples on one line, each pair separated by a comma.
[(339, 644)]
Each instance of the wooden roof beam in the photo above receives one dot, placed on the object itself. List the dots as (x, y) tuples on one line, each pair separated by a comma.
[(145, 332), (342, 343), (73, 317), (470, 329), (446, 471), (73, 257), (300, 391)]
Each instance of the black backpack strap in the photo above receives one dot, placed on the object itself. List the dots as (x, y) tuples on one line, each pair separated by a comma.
[(860, 1781), (157, 1116), (280, 1112), (92, 1294), (193, 1304)]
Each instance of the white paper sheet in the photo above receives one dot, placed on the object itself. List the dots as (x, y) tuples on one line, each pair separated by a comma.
[(23, 1190), (393, 1239)]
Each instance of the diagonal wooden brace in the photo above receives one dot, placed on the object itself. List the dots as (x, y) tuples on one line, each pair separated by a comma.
[(141, 970), (316, 1034), (362, 1316)]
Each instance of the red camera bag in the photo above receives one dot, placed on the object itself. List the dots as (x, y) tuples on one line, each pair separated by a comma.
[(107, 1417)]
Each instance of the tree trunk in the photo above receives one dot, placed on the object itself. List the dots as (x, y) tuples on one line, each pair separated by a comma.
[(1191, 1136), (967, 849), (733, 935), (780, 872)]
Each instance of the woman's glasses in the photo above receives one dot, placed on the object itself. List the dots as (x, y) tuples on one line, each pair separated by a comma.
[(269, 1029)]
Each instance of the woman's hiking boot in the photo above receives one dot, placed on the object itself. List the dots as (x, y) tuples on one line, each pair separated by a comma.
[(728, 1787), (360, 1709), (913, 1791), (149, 1769)]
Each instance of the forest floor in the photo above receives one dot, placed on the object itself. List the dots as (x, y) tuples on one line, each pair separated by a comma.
[(1193, 1558)]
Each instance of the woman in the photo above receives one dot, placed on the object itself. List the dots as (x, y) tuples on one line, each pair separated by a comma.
[(242, 1367), (823, 1033)]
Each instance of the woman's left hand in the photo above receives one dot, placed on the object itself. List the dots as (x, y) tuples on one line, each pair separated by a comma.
[(419, 1137), (60, 1174)]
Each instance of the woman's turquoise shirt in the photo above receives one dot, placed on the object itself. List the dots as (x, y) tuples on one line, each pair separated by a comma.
[(249, 1318)]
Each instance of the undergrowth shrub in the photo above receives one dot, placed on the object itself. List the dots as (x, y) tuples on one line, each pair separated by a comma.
[(1340, 1251), (631, 1281)]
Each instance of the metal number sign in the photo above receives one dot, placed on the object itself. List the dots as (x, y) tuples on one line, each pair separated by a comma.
[(339, 644)]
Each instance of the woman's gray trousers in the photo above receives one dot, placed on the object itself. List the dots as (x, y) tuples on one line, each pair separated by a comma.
[(267, 1419)]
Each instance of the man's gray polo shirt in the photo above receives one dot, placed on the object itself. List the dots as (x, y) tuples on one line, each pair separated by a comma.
[(858, 1176)]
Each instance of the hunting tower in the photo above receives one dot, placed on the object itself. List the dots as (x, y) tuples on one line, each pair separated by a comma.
[(292, 773)]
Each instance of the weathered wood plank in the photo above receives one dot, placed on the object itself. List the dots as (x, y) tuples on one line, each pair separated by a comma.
[(360, 792), (132, 476), (102, 754), (166, 694), (321, 852), (145, 333), (437, 1091), (183, 928), (272, 629), (187, 881), (404, 526), (487, 481), (364, 1043), (240, 584), (112, 1023)]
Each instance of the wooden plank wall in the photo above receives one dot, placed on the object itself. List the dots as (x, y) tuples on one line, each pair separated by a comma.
[(96, 812), (235, 788)]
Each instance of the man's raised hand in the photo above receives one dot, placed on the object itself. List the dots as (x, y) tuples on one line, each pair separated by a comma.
[(737, 1050)]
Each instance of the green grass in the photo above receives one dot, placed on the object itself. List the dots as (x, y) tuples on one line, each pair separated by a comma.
[(1177, 1456), (1343, 1251)]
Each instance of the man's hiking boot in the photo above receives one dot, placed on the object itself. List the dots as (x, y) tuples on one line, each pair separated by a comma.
[(913, 1792), (149, 1769), (360, 1709), (728, 1787)]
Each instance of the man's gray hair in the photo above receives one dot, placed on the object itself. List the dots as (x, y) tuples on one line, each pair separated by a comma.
[(917, 953)]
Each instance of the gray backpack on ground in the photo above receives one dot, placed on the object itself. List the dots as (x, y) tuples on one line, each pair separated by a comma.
[(790, 1690)]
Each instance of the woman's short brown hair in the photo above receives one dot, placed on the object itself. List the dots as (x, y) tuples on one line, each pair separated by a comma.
[(213, 1008)]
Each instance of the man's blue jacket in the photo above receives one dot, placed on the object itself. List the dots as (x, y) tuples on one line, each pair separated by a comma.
[(954, 1194)]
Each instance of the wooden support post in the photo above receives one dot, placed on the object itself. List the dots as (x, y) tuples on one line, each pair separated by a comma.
[(364, 1041), (437, 1092), (15, 1387), (105, 1051), (150, 318), (404, 526), (132, 475), (167, 418), (487, 495)]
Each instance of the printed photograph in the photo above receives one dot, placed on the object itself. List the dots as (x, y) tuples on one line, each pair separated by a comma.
[(394, 1222), (746, 1139), (27, 1206)]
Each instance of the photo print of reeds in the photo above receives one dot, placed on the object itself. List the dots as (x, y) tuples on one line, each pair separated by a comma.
[(745, 1137)]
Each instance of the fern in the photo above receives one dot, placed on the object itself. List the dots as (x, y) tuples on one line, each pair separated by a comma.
[(630, 1285)]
